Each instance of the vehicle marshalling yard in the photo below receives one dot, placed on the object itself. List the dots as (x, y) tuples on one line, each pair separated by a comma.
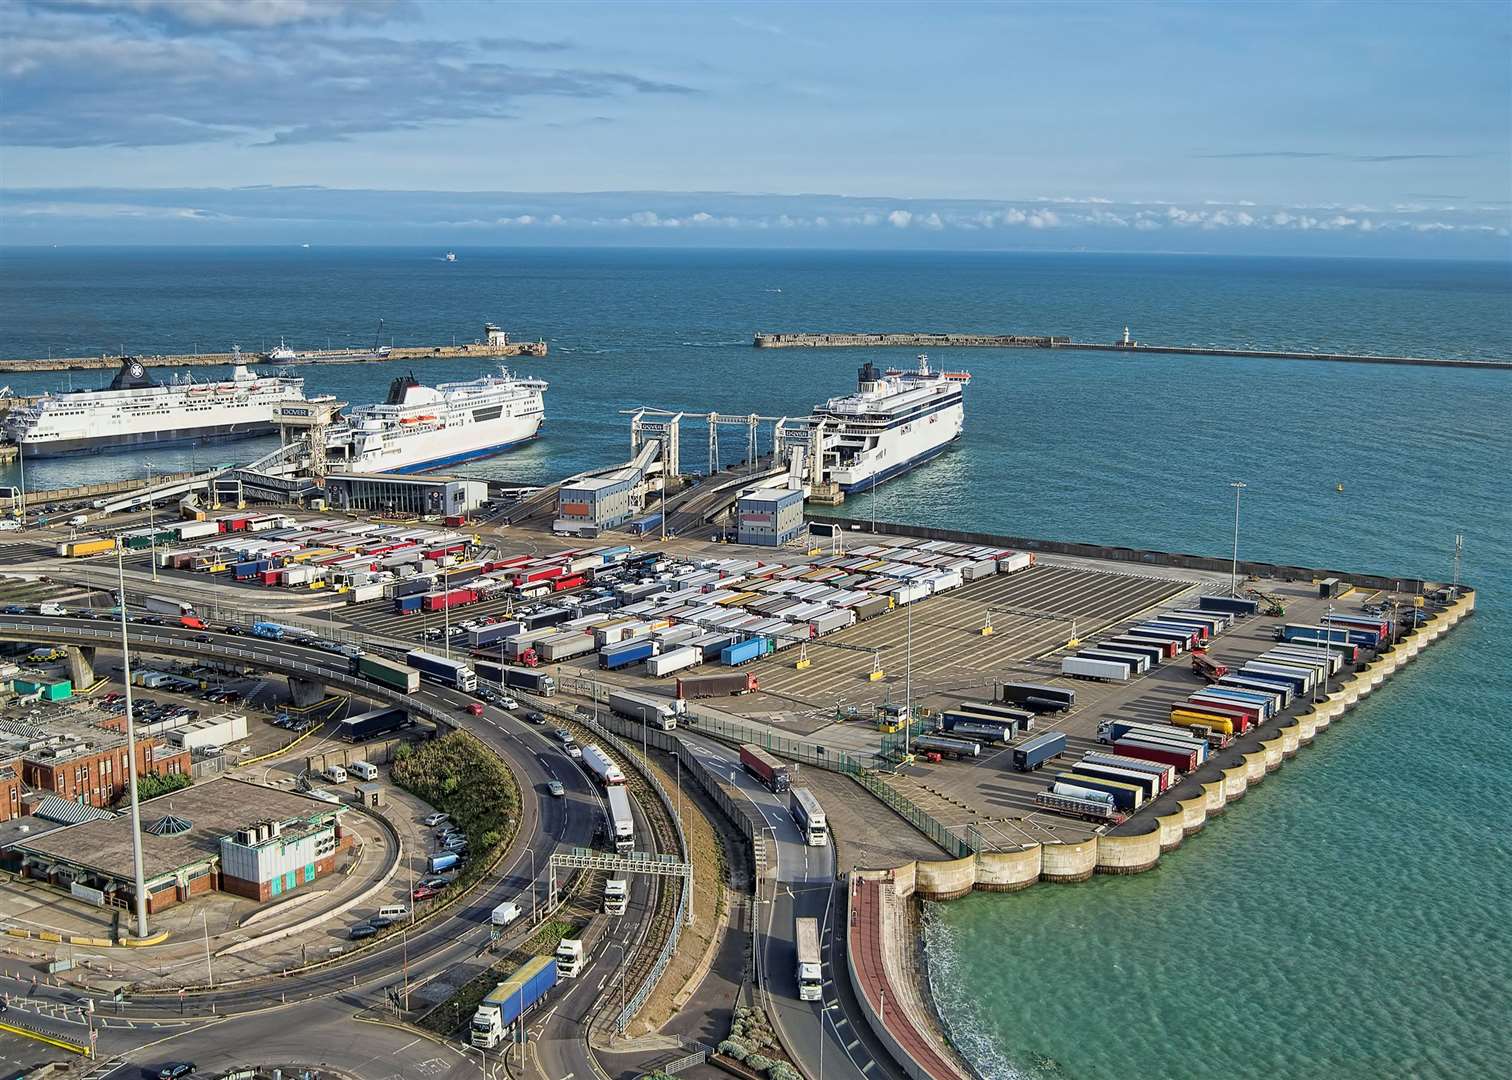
[(978, 823)]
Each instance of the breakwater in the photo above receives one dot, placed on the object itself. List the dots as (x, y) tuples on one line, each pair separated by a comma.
[(109, 362), (1051, 341)]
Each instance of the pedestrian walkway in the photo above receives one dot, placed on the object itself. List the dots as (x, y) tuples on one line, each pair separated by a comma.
[(878, 940)]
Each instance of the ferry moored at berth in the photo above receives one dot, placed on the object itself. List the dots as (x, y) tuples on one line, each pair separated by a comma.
[(894, 421)]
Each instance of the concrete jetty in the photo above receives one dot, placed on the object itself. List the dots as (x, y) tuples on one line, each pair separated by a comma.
[(107, 362), (926, 340)]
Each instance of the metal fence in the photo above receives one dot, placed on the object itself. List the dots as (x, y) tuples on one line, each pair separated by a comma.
[(910, 812), (801, 751)]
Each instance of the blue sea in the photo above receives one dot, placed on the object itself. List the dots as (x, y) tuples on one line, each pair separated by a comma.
[(1351, 918)]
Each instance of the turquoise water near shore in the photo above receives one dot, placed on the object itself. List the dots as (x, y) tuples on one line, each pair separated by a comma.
[(1350, 917)]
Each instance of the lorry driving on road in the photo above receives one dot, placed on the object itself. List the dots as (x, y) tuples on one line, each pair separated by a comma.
[(453, 673), (809, 975), (616, 895), (507, 1002)]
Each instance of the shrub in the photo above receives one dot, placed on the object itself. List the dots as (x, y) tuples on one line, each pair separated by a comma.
[(734, 1048), (781, 1070), (150, 786), (759, 1062)]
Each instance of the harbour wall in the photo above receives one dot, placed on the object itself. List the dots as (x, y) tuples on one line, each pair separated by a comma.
[(1055, 341), (107, 362), (1141, 556), (1138, 846)]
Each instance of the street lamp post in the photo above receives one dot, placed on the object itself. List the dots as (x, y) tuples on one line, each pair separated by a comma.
[(1238, 486), (209, 971), (131, 762)]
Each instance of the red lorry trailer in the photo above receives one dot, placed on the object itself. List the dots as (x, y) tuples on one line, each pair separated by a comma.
[(721, 685), (764, 767)]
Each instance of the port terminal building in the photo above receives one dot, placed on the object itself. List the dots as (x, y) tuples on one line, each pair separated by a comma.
[(403, 493), (769, 517), (224, 835)]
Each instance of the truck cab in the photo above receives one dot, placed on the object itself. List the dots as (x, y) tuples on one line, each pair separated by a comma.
[(616, 895), (570, 958)]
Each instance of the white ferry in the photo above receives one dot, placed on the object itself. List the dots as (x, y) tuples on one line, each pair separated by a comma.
[(894, 421), (423, 427), (133, 411)]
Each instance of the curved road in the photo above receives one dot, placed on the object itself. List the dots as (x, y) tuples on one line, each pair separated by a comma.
[(806, 888)]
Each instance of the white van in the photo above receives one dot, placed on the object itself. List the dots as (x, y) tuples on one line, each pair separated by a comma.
[(394, 912), (363, 771), (504, 914), (335, 774), (52, 607)]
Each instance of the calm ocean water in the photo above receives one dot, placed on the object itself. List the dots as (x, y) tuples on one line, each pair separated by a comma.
[(1350, 919)]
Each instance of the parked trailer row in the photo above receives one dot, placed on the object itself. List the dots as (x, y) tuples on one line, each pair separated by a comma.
[(1093, 805), (723, 684), (952, 748), (1037, 750), (1038, 698), (1079, 667)]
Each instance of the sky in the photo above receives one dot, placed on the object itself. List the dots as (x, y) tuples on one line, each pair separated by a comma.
[(1274, 128)]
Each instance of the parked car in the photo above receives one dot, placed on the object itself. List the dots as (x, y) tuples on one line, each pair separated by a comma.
[(175, 1069), (434, 881), (425, 892), (432, 820), (362, 930)]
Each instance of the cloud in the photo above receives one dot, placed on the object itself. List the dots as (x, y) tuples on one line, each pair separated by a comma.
[(1367, 159), (232, 14), (263, 214), (71, 76)]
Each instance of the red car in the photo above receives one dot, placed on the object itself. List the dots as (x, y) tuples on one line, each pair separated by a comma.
[(473, 708), (425, 892)]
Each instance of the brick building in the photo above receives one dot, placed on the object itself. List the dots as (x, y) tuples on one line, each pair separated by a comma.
[(78, 761)]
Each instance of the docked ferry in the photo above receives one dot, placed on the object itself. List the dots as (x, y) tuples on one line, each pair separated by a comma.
[(894, 421), (133, 411), (423, 427)]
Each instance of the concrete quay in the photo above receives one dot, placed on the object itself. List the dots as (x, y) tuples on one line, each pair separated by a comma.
[(109, 362), (919, 340)]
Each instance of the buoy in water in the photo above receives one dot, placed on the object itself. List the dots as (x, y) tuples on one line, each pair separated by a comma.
[(1339, 487)]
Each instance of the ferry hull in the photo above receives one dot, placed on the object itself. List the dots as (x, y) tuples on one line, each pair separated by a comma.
[(898, 469), (457, 459), (150, 439)]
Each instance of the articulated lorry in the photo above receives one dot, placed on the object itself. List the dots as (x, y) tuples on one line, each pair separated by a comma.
[(658, 711), (453, 673), (809, 975), (507, 1002)]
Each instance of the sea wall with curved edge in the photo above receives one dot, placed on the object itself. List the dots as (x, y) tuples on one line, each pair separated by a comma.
[(1210, 791)]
